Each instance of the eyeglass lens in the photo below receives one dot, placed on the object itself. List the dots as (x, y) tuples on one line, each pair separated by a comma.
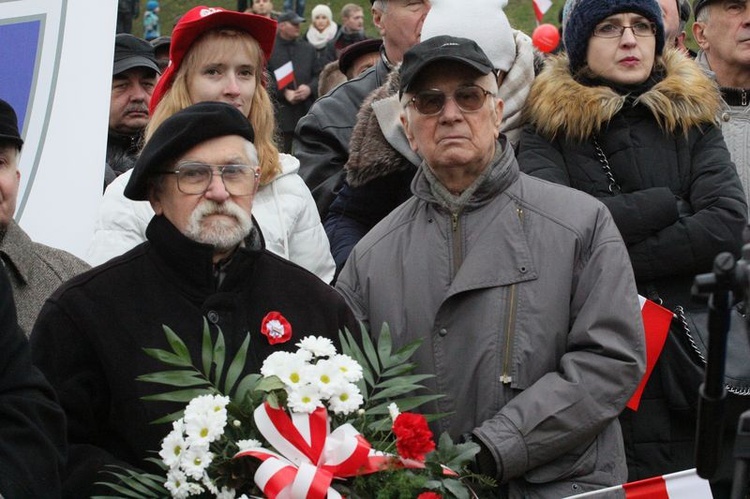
[(610, 30), (195, 178), (468, 99)]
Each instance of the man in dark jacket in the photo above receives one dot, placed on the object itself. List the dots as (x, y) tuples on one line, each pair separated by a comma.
[(204, 261), (295, 67), (127, 10), (133, 79), (321, 141), (32, 425)]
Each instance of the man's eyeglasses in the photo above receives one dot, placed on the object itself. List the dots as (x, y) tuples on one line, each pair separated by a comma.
[(468, 99), (609, 30), (195, 177)]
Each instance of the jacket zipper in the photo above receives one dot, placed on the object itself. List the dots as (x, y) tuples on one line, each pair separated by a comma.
[(510, 325), (457, 250)]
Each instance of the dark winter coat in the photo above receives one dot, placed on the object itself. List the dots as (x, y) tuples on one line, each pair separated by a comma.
[(306, 70), (122, 151), (32, 424), (681, 203), (90, 335)]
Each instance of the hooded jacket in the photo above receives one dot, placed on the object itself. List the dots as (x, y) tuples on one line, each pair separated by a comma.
[(381, 163), (680, 204), (527, 311), (283, 208), (90, 335)]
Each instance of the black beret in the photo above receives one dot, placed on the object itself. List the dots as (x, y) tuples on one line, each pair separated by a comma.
[(9, 125), (181, 132)]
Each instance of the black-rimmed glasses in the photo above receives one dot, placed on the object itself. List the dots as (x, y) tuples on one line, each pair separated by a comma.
[(610, 30), (468, 99), (195, 177)]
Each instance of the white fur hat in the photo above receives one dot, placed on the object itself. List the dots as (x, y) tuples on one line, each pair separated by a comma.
[(322, 9), (483, 21)]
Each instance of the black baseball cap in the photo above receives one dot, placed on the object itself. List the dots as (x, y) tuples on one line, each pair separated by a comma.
[(290, 16), (181, 132), (442, 48), (9, 125), (133, 52)]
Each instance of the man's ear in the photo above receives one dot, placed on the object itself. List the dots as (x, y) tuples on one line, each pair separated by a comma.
[(407, 131), (699, 35), (499, 106), (153, 198), (377, 16)]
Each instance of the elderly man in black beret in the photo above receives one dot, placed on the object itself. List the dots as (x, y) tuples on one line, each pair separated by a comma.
[(204, 261)]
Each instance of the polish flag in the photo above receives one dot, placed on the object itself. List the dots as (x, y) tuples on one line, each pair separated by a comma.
[(681, 485), (656, 321), (540, 7), (284, 75)]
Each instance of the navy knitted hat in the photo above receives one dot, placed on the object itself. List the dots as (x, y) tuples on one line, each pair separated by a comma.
[(580, 17)]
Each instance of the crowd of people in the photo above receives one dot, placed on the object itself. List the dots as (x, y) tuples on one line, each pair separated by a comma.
[(503, 206)]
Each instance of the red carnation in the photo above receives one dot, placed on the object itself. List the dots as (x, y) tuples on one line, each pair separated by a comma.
[(276, 328), (413, 437), (429, 495)]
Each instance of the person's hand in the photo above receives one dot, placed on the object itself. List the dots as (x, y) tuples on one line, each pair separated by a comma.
[(303, 92), (290, 95)]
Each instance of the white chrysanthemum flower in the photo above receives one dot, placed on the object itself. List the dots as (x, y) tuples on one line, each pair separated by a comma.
[(327, 377), (172, 447), (177, 484), (296, 371), (319, 346), (195, 460), (248, 444), (225, 493), (349, 367), (305, 398), (205, 422), (274, 363), (346, 400), (210, 486), (393, 411)]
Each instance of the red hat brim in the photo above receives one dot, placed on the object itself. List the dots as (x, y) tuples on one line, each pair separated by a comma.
[(198, 21)]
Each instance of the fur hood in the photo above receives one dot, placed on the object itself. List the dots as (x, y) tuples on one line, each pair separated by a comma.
[(559, 105)]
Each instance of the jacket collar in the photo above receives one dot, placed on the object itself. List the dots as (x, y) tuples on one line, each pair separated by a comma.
[(17, 251), (686, 97)]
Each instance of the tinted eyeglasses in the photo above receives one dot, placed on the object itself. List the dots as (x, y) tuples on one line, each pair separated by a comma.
[(610, 30), (468, 99), (195, 177)]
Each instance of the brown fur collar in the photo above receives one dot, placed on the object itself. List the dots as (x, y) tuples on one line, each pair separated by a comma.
[(559, 105)]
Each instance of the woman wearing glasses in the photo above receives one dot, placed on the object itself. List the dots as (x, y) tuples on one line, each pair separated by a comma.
[(220, 55), (630, 123)]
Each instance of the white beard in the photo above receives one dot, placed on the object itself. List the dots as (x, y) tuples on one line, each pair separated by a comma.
[(222, 233)]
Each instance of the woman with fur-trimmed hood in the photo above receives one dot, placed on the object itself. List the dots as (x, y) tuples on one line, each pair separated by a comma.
[(634, 127)]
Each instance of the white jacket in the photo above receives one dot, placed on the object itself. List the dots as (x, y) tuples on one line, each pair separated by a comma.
[(284, 209)]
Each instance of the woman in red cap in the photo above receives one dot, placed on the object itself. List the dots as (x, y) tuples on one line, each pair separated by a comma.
[(221, 55)]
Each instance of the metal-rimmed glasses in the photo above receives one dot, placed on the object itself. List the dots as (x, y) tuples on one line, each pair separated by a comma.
[(469, 99), (641, 29), (194, 177)]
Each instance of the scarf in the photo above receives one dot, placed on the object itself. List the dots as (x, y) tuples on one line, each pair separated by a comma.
[(320, 39)]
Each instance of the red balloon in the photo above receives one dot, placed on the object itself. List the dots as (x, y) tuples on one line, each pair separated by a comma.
[(545, 37)]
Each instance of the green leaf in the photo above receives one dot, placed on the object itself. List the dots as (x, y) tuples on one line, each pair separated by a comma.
[(273, 400), (183, 378), (246, 385), (207, 349), (125, 491), (404, 380), (270, 384), (169, 418), (148, 485), (398, 370), (456, 488), (371, 353), (237, 365), (180, 395), (395, 391), (167, 357), (404, 404), (220, 353), (385, 345), (350, 347), (405, 352), (178, 346)]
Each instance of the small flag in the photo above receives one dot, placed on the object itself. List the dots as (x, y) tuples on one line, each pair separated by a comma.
[(540, 7), (284, 75), (656, 321), (681, 485)]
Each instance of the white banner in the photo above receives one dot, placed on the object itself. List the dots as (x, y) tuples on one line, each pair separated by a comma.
[(56, 60)]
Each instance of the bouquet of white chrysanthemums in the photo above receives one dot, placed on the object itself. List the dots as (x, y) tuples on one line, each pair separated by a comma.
[(313, 423)]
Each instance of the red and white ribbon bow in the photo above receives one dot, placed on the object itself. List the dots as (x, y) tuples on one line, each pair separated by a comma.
[(308, 457)]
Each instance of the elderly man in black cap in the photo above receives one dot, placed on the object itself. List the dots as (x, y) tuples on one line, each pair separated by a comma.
[(134, 76), (204, 261), (522, 291), (34, 270)]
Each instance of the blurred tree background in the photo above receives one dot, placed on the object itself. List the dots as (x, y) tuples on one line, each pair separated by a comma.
[(519, 12)]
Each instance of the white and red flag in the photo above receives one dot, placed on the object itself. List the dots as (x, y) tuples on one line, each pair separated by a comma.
[(540, 7), (284, 75), (656, 321), (681, 485)]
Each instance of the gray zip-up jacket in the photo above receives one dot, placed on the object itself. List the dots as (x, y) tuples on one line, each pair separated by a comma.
[(527, 308)]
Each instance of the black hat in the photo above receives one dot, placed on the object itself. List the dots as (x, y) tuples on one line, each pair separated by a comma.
[(161, 41), (290, 16), (442, 48), (355, 50), (9, 125), (181, 132), (133, 52), (699, 4)]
